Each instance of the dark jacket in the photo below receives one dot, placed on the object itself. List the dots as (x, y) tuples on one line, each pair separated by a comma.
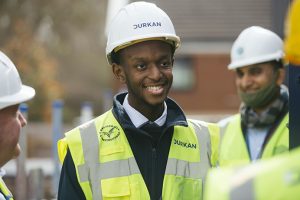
[(150, 145)]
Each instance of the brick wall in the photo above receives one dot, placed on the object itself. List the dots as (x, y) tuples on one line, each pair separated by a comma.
[(214, 89)]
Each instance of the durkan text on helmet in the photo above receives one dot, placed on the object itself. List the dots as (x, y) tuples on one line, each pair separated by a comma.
[(148, 24)]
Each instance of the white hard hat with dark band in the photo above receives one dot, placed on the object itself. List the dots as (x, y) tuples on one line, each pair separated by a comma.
[(138, 22)]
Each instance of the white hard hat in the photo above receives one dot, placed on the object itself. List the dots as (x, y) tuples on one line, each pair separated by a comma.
[(12, 91), (137, 22), (255, 45)]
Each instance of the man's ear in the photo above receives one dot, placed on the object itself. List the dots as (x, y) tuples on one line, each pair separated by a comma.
[(119, 73), (281, 76)]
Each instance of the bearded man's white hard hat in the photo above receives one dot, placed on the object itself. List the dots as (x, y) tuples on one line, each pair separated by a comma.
[(12, 91)]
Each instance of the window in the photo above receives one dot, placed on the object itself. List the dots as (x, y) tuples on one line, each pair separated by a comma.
[(183, 74)]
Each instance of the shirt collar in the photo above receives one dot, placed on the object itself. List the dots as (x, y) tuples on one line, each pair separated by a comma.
[(139, 119)]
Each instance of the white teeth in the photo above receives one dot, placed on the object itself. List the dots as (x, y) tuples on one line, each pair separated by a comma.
[(153, 88)]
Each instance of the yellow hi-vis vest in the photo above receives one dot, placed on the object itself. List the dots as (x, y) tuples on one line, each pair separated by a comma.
[(233, 148), (106, 167), (5, 191), (277, 178)]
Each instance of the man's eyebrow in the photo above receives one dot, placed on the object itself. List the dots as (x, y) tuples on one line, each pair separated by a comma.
[(255, 67), (165, 56), (135, 58)]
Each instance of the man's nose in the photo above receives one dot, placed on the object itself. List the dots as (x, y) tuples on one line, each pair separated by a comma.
[(246, 80), (155, 72)]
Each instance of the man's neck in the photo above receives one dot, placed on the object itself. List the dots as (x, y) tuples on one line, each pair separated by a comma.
[(139, 117)]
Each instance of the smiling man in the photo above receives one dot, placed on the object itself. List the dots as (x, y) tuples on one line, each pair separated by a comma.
[(260, 130), (144, 147)]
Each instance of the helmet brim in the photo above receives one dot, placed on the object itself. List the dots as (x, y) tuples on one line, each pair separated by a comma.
[(170, 37), (251, 61), (26, 93)]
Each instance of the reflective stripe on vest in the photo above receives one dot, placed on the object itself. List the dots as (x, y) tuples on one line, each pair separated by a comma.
[(93, 171), (5, 191), (204, 141), (90, 171)]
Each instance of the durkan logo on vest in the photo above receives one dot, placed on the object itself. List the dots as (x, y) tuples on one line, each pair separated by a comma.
[(109, 132), (148, 24), (185, 144)]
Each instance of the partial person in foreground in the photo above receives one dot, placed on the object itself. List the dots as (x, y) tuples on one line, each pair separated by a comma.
[(276, 178)]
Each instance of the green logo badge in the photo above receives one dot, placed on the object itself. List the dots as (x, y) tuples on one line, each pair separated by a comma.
[(109, 133)]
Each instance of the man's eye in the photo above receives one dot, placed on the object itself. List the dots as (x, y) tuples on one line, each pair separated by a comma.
[(141, 66), (239, 74), (255, 71), (166, 64)]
